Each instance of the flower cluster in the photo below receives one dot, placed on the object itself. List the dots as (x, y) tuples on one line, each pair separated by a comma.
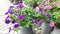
[(35, 14)]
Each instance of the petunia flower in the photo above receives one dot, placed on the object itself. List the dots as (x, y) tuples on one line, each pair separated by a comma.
[(48, 15), (38, 23), (40, 6), (51, 24), (13, 21), (48, 7), (21, 17), (16, 25), (10, 11), (47, 2), (54, 3), (35, 21), (20, 5), (11, 7), (7, 21)]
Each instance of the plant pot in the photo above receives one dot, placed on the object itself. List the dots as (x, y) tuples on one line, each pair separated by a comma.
[(26, 31), (15, 2), (46, 29), (56, 30)]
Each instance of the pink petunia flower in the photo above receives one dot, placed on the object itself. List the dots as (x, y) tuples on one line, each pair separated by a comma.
[(51, 24), (54, 3), (47, 2), (40, 6), (48, 7)]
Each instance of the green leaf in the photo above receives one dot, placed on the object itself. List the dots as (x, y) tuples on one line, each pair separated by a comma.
[(17, 29)]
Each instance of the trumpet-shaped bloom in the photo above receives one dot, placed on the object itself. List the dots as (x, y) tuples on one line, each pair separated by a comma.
[(21, 17), (48, 7), (7, 21), (16, 25), (51, 24), (20, 5)]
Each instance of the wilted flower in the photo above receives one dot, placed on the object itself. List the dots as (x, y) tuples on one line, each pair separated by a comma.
[(10, 29), (16, 25), (6, 13), (21, 17), (7, 17), (51, 24)]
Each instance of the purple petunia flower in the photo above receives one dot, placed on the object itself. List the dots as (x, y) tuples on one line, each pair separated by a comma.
[(10, 11), (21, 17), (13, 21), (48, 16), (35, 21), (40, 22), (11, 7), (43, 11), (20, 5), (16, 25), (7, 21)]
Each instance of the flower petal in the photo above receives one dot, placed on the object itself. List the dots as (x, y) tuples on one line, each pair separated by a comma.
[(16, 25)]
